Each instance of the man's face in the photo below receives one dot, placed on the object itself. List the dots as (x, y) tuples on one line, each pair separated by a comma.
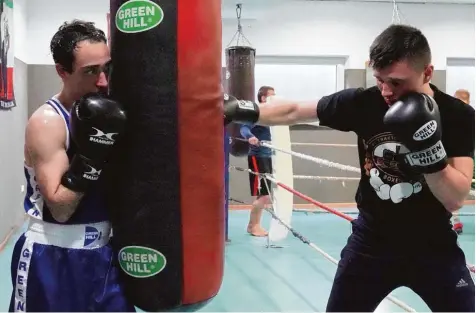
[(89, 69), (463, 96), (269, 93), (400, 78)]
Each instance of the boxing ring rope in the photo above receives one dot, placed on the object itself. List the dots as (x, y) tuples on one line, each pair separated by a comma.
[(322, 161), (325, 177), (318, 144), (328, 163), (299, 236)]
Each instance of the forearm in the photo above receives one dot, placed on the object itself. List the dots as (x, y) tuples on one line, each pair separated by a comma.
[(245, 131), (63, 203), (287, 112), (449, 186)]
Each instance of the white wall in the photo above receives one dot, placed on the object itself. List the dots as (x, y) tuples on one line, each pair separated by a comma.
[(46, 16), (13, 124), (20, 30), (290, 27), (348, 28)]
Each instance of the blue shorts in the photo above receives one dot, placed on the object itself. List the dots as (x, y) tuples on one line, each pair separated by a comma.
[(49, 277)]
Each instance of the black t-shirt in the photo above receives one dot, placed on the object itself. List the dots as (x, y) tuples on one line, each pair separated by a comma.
[(394, 205)]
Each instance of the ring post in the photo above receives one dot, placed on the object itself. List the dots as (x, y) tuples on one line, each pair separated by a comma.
[(227, 178)]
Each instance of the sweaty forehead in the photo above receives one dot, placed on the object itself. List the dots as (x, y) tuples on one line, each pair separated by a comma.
[(91, 53)]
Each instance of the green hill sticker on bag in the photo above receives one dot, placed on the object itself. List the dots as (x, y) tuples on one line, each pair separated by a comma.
[(141, 262), (137, 16)]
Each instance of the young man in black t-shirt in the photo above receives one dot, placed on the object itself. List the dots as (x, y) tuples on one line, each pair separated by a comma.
[(415, 147)]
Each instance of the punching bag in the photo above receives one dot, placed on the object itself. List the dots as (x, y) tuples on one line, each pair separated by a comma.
[(240, 66), (165, 182)]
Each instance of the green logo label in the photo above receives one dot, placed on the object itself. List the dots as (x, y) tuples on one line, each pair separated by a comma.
[(137, 16), (141, 262)]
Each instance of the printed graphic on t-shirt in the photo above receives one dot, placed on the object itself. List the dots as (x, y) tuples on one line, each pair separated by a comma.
[(385, 167)]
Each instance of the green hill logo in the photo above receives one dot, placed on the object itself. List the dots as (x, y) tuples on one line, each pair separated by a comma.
[(137, 16), (141, 262)]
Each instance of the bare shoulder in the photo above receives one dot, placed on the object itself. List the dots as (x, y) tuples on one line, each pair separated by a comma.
[(45, 129)]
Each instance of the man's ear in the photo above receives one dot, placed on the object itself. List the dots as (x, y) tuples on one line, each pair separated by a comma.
[(428, 73), (60, 70)]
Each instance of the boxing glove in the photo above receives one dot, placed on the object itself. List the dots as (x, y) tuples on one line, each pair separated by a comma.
[(415, 120), (95, 123), (239, 111)]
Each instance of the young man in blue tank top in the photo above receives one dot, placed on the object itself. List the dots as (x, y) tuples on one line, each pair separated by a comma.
[(64, 261), (416, 146), (259, 161)]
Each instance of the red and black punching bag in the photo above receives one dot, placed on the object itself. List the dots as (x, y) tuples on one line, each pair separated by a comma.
[(168, 212), (240, 76)]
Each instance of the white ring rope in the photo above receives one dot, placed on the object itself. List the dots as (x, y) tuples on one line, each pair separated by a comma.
[(325, 177), (353, 211), (313, 159), (319, 144), (391, 298), (322, 161)]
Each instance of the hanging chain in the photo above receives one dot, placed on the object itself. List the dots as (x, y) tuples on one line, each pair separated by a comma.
[(239, 33)]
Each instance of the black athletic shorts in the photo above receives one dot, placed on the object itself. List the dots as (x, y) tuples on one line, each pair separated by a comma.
[(362, 281), (259, 165)]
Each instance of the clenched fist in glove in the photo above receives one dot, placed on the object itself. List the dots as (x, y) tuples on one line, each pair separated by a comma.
[(239, 111), (415, 120), (96, 122)]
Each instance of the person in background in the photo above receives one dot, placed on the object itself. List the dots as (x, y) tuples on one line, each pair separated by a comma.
[(464, 96), (259, 161)]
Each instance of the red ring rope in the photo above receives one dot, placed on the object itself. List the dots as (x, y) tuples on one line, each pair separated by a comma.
[(471, 267)]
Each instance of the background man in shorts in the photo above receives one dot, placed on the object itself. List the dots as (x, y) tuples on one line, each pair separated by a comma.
[(259, 161)]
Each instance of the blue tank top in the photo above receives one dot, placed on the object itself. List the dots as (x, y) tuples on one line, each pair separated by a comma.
[(91, 209)]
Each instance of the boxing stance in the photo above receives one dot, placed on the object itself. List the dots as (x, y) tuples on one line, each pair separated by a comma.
[(64, 261), (464, 96), (415, 146), (259, 161)]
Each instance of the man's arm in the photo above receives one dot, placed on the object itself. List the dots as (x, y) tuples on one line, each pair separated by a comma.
[(45, 144), (287, 112), (451, 186), (338, 110), (245, 131)]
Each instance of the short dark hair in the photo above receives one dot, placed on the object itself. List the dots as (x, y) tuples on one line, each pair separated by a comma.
[(399, 43), (263, 92), (66, 39)]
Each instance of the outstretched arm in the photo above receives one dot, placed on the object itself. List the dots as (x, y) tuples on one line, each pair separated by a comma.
[(337, 110)]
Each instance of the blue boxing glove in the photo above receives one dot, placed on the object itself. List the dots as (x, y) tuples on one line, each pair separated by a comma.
[(415, 120)]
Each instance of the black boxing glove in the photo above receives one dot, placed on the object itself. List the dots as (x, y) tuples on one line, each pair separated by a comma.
[(239, 111), (95, 123), (415, 120)]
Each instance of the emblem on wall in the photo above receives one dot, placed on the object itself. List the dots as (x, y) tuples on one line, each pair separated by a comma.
[(7, 97)]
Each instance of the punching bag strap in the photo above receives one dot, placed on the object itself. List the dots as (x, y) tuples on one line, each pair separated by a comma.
[(239, 32)]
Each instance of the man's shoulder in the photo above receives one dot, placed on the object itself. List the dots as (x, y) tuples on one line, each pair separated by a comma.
[(44, 112), (45, 120)]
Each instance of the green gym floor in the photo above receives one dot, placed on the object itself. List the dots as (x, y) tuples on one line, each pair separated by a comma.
[(292, 278)]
